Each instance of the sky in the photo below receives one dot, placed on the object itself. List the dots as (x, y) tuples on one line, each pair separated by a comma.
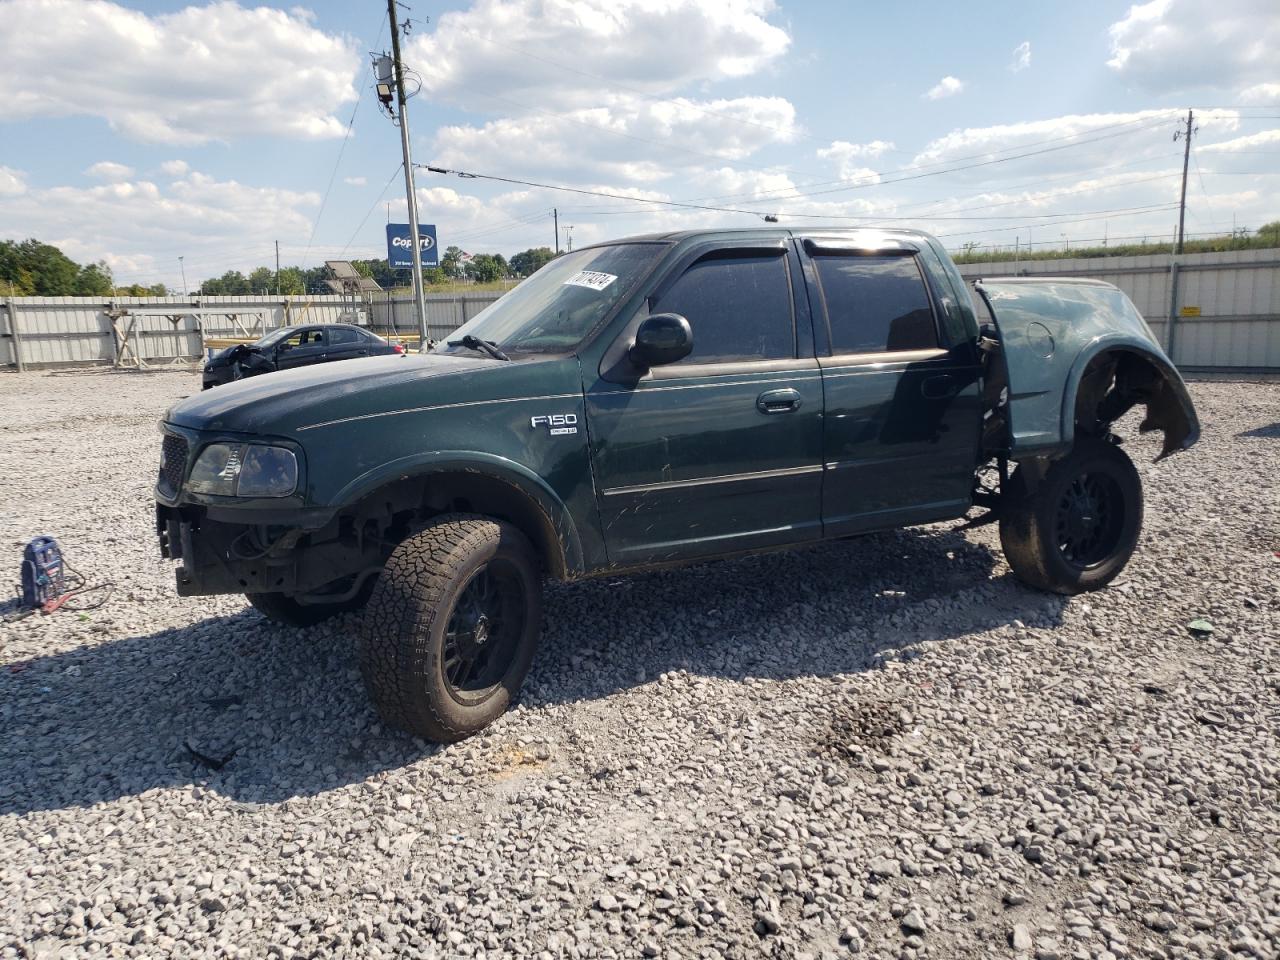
[(140, 132)]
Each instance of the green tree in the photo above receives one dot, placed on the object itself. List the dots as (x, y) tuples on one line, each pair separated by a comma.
[(530, 261), (262, 280), (141, 290), (53, 273), (451, 262), (233, 283), (15, 279), (94, 280), (487, 267), (291, 283)]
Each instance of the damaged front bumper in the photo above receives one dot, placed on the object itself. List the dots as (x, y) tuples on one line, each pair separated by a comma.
[(235, 545)]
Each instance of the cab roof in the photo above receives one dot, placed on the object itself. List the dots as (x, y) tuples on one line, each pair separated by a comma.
[(772, 230)]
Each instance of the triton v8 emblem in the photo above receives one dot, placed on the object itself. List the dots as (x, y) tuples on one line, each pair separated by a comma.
[(557, 424)]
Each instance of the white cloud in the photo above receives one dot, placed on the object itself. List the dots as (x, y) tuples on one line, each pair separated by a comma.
[(634, 139), (1170, 45), (1267, 94), (1260, 139), (109, 171), (213, 223), (946, 87), (12, 183), (1114, 129), (211, 72), (174, 168), (497, 46), (1021, 57), (850, 158), (355, 181)]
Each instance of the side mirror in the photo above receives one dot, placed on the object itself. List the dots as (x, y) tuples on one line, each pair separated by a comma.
[(662, 338), (284, 345)]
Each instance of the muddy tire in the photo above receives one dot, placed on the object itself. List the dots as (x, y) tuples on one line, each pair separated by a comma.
[(279, 608), (1077, 528), (452, 627)]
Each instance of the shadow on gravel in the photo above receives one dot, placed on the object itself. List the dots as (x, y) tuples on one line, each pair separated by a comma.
[(1270, 432), (262, 713), (838, 608)]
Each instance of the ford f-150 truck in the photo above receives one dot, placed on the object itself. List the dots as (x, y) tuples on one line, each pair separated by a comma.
[(659, 400)]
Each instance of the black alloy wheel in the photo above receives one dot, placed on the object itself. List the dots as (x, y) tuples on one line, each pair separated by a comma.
[(483, 633), (452, 626), (1075, 527), (1090, 520)]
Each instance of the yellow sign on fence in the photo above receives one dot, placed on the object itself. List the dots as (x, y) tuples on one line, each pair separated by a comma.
[(1189, 312)]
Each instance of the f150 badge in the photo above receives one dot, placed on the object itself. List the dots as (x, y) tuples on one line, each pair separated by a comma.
[(557, 424)]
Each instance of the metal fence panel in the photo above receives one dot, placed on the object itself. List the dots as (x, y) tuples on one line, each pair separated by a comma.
[(1232, 298), (55, 331)]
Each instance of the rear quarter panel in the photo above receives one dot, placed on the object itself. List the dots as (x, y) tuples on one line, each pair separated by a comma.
[(1049, 331)]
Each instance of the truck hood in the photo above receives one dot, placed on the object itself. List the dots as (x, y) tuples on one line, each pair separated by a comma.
[(281, 403)]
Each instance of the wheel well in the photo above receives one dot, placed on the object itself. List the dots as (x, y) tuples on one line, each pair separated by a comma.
[(1117, 380), (398, 509), (493, 497)]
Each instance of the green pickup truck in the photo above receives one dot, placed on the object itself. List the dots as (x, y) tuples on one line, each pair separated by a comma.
[(659, 400)]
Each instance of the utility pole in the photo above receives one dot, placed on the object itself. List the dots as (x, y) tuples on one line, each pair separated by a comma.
[(419, 295), (277, 268), (556, 215), (569, 238), (183, 268), (1186, 158)]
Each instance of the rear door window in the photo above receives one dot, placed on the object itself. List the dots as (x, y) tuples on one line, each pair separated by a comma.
[(738, 305), (876, 303), (341, 335)]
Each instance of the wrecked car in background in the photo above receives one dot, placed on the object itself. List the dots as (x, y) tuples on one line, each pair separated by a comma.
[(289, 347)]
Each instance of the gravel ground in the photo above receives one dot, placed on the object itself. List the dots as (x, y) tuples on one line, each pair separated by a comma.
[(895, 749)]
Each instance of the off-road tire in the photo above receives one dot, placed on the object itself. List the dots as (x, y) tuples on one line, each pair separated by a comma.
[(1029, 525), (279, 608), (402, 636)]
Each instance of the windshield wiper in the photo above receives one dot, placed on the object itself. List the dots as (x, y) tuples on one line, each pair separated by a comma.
[(472, 342)]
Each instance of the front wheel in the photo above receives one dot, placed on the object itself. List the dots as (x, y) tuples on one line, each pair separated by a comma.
[(1077, 528), (452, 626)]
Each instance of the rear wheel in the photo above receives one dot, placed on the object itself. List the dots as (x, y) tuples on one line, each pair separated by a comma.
[(1077, 528), (452, 627)]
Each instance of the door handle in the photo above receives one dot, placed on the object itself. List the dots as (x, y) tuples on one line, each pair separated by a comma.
[(941, 387), (778, 401)]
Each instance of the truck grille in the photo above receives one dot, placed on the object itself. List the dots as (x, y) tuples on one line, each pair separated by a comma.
[(173, 462)]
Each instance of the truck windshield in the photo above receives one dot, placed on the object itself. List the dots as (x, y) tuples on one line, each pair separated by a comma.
[(555, 308)]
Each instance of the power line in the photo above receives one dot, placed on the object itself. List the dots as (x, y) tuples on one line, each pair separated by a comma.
[(1053, 223), (882, 179), (753, 213), (373, 206), (333, 174)]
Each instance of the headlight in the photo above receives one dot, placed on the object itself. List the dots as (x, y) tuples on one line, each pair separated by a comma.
[(244, 470)]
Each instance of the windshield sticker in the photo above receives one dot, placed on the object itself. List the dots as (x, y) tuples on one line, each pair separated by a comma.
[(590, 279)]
